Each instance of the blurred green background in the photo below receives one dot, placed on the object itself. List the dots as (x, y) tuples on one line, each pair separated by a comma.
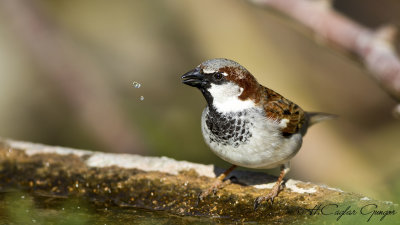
[(67, 68)]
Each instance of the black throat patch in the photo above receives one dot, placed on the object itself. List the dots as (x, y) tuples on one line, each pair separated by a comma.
[(228, 128)]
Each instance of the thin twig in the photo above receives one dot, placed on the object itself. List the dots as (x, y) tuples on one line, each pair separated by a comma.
[(374, 47)]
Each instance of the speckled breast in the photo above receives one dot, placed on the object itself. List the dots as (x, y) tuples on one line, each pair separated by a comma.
[(228, 128)]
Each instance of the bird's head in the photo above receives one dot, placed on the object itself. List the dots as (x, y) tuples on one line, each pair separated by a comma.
[(225, 84)]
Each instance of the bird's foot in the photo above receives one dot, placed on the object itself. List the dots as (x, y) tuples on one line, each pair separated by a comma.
[(218, 184), (269, 197)]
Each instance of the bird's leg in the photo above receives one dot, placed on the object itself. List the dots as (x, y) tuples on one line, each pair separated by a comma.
[(275, 189), (219, 183)]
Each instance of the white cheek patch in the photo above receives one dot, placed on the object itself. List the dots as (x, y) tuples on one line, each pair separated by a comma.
[(226, 98), (223, 92)]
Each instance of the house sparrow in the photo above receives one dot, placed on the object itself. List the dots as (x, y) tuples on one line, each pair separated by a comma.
[(247, 124)]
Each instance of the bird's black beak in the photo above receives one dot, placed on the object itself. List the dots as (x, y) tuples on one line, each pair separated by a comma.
[(194, 78)]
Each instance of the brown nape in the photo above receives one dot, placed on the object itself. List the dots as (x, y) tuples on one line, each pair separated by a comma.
[(242, 77)]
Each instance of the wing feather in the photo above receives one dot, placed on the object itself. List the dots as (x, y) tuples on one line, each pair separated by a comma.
[(277, 107)]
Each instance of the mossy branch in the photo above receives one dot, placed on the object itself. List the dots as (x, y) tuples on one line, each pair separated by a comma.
[(157, 183)]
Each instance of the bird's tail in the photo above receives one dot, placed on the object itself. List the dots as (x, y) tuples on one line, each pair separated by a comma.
[(316, 117)]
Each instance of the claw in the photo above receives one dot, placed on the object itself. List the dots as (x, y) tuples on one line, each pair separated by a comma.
[(202, 195), (257, 203), (269, 197), (260, 199), (214, 188), (218, 184), (278, 186), (199, 198), (272, 200)]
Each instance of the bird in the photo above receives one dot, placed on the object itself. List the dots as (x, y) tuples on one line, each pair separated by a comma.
[(247, 124)]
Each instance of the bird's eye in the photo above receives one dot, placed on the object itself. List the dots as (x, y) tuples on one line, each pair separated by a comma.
[(218, 76)]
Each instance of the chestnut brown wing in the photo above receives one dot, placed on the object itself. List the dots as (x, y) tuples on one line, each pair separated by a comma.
[(277, 107)]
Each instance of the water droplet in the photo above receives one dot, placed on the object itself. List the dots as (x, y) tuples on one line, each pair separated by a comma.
[(76, 185), (136, 84), (23, 196), (141, 98), (78, 207)]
